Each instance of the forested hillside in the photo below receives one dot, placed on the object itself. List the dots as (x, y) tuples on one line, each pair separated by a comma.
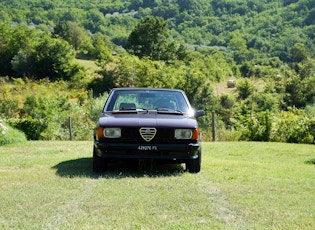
[(266, 46), (270, 26)]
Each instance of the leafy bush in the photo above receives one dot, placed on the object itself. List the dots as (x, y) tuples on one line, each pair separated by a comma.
[(30, 126), (9, 135), (82, 125), (228, 135), (264, 101), (223, 132), (244, 88), (294, 126), (254, 126), (8, 107), (97, 105)]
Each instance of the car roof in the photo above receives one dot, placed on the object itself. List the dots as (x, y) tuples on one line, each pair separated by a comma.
[(133, 88)]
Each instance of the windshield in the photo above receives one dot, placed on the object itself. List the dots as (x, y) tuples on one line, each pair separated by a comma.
[(160, 100)]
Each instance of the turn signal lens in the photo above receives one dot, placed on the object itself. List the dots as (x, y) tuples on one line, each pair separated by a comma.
[(195, 134), (99, 132)]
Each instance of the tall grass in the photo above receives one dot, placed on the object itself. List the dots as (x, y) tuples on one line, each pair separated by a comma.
[(242, 185)]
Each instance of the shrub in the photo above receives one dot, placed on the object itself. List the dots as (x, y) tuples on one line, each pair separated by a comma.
[(294, 126), (97, 106), (31, 127), (245, 88), (9, 107), (264, 102), (254, 126), (82, 125), (228, 135)]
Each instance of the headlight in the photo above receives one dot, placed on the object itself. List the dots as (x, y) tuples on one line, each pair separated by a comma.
[(183, 133), (112, 132)]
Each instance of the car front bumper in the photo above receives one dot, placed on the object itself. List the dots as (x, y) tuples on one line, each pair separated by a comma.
[(147, 151)]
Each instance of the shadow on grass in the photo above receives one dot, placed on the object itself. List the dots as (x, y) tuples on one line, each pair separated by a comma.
[(310, 162), (82, 167)]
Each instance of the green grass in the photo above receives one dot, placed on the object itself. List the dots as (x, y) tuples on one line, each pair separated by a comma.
[(88, 64), (242, 185), (10, 135)]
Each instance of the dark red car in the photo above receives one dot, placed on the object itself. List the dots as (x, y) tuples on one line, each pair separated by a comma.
[(144, 123)]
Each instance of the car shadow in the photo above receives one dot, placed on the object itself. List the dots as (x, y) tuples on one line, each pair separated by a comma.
[(82, 167)]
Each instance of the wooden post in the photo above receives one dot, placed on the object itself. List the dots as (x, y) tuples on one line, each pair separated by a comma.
[(70, 128), (213, 126)]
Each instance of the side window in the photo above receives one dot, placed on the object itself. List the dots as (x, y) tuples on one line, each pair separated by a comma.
[(181, 102)]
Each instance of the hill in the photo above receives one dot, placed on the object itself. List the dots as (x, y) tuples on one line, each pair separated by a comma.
[(271, 27)]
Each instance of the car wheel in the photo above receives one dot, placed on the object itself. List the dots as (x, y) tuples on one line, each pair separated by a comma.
[(99, 163), (194, 166)]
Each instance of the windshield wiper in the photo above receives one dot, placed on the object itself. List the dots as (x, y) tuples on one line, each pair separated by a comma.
[(169, 111), (130, 110), (125, 111)]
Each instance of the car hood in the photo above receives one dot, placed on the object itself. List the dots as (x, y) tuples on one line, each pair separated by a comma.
[(149, 119)]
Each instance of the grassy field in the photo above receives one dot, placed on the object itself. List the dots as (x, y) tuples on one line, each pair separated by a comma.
[(242, 185)]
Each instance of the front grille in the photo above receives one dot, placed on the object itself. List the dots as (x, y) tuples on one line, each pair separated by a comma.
[(163, 135)]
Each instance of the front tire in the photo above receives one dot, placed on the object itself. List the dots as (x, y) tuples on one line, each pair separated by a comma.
[(194, 166), (99, 164)]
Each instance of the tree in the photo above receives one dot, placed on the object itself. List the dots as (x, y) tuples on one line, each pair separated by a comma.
[(239, 47), (11, 41), (151, 39), (101, 49), (299, 52), (71, 32), (52, 58)]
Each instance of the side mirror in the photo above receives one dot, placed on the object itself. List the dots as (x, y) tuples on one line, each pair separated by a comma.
[(199, 113)]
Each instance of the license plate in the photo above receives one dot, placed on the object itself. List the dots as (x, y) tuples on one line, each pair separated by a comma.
[(147, 147)]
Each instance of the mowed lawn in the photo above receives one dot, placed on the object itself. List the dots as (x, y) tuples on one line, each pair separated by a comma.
[(242, 185)]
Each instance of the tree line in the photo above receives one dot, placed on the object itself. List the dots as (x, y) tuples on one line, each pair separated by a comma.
[(271, 27), (273, 99)]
